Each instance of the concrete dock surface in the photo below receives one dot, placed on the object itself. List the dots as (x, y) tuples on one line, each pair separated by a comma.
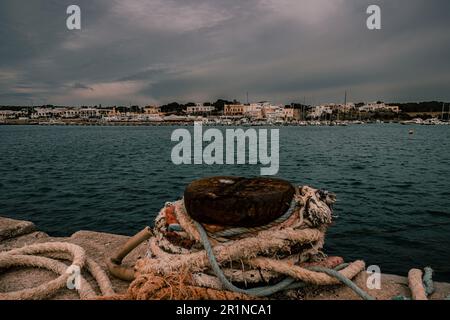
[(99, 246)]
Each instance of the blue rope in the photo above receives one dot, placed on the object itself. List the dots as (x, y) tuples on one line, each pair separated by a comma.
[(428, 281), (344, 280), (175, 227), (260, 292), (400, 298), (268, 290)]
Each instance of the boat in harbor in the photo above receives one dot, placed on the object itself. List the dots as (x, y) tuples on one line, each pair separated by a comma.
[(432, 122)]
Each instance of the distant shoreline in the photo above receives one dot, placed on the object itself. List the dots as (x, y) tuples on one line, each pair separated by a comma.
[(208, 123), (183, 123)]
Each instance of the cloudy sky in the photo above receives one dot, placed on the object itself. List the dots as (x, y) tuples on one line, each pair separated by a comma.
[(158, 51)]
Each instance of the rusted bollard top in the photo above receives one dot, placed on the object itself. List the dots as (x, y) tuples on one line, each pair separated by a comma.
[(238, 201)]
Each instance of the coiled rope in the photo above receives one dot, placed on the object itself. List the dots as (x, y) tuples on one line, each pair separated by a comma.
[(30, 256), (176, 267), (269, 290), (296, 237)]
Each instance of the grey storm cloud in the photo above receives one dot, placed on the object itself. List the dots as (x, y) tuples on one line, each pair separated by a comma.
[(81, 86), (158, 51)]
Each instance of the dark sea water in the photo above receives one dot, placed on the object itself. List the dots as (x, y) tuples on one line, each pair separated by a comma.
[(393, 188)]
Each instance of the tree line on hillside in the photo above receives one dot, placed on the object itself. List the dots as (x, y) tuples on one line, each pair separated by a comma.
[(429, 106)]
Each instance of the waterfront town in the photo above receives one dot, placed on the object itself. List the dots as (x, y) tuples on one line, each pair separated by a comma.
[(224, 112)]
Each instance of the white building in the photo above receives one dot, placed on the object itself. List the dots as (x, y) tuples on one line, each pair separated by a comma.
[(270, 112), (10, 114), (324, 110), (89, 113), (318, 112), (68, 113), (42, 113), (82, 113), (48, 113), (254, 111), (200, 109), (377, 107), (258, 111), (273, 113), (372, 107)]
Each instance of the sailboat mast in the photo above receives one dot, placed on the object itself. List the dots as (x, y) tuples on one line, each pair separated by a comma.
[(448, 113), (304, 108), (345, 104)]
